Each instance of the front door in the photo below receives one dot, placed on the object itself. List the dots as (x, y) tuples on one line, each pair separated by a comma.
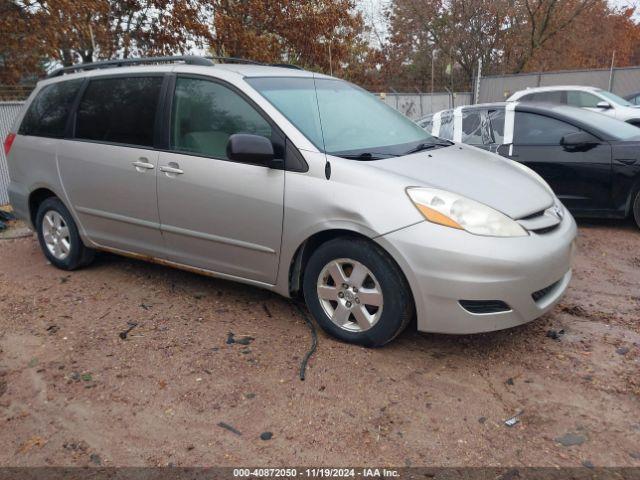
[(217, 214), (581, 177), (109, 168)]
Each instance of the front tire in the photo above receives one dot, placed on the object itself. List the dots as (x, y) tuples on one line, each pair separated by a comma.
[(356, 292), (636, 209), (59, 238)]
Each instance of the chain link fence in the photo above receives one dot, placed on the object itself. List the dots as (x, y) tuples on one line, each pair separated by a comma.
[(8, 112), (417, 105)]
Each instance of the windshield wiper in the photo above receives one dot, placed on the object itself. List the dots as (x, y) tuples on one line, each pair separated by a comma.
[(428, 146), (367, 156)]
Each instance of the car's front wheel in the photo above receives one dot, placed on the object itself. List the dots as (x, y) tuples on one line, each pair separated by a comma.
[(356, 292), (59, 238), (636, 209)]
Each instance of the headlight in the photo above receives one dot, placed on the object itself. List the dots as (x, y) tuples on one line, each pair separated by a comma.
[(455, 211)]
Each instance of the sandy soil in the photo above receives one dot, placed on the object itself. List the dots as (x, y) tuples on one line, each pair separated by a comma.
[(72, 392)]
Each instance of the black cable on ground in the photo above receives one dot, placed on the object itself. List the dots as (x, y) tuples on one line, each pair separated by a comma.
[(6, 216), (314, 339)]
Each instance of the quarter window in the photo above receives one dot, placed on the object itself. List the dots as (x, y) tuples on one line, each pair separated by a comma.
[(119, 110), (205, 114), (47, 115), (534, 129)]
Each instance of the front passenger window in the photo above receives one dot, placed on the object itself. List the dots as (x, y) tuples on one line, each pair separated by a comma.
[(205, 114), (534, 129)]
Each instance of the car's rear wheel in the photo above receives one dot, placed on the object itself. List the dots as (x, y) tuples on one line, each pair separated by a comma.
[(356, 292), (59, 238), (636, 209)]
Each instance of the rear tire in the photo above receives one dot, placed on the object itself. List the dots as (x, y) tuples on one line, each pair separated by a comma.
[(59, 238), (356, 292), (636, 209)]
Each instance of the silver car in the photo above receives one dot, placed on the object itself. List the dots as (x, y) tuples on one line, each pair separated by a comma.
[(292, 181)]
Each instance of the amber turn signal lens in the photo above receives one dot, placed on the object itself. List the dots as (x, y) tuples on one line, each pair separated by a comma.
[(436, 217)]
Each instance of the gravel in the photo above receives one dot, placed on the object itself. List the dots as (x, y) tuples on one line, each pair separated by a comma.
[(424, 399)]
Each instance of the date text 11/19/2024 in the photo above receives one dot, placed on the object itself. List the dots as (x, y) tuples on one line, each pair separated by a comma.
[(316, 472)]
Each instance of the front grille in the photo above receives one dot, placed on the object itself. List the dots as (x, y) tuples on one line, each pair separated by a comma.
[(541, 294), (484, 306), (542, 231), (533, 215)]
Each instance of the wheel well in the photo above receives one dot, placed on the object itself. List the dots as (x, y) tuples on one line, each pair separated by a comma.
[(304, 252), (310, 245), (635, 191), (35, 199)]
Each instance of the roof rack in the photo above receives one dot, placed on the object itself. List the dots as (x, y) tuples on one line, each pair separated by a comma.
[(255, 62), (286, 65), (187, 59), (234, 60)]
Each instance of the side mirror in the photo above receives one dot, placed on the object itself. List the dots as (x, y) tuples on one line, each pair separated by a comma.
[(578, 139), (246, 148), (603, 105)]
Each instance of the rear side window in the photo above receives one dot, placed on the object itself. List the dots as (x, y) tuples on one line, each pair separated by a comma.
[(205, 114), (119, 110), (534, 129), (555, 96), (47, 115)]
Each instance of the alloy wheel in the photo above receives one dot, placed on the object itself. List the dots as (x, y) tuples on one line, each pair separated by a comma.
[(55, 232), (350, 295)]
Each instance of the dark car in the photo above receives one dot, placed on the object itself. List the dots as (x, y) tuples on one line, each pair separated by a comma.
[(591, 161), (634, 98)]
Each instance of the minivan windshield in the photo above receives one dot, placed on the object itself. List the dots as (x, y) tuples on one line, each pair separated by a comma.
[(344, 120)]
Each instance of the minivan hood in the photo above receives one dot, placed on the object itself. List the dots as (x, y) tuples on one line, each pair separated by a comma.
[(475, 174)]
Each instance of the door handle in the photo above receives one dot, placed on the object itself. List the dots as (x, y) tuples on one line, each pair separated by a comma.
[(143, 164), (172, 168)]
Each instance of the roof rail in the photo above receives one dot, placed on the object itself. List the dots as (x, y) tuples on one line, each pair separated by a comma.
[(287, 65), (234, 60), (188, 59), (254, 62)]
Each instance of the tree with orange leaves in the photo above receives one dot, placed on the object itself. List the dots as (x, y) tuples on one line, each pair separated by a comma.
[(509, 36), (73, 31), (324, 35)]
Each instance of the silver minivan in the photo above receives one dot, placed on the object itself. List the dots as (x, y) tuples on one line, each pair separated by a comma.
[(292, 181)]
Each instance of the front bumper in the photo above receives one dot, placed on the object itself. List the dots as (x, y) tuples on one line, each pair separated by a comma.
[(444, 266)]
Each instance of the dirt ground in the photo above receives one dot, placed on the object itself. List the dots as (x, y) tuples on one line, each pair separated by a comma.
[(72, 392)]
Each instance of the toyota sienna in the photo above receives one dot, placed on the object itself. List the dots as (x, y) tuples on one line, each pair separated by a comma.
[(292, 181)]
